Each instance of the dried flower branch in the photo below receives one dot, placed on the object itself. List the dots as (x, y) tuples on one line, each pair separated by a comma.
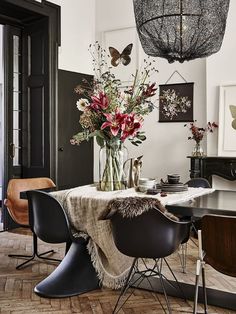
[(197, 133)]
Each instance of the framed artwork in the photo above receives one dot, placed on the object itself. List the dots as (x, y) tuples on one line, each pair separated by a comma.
[(176, 102), (122, 48), (227, 121)]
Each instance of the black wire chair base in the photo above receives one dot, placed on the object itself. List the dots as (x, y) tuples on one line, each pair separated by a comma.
[(34, 256), (182, 253), (132, 282)]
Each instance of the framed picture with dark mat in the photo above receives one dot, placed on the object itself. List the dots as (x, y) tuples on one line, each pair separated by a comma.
[(176, 102)]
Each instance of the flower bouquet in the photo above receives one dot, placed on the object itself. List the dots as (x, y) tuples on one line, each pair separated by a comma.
[(197, 134), (112, 114)]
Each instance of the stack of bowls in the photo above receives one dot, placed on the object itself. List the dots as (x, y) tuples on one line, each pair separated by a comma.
[(173, 178), (146, 183)]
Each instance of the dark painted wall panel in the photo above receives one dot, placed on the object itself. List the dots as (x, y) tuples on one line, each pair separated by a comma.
[(75, 163)]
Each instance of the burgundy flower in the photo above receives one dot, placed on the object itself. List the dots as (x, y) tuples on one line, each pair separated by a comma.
[(130, 126), (115, 122), (149, 91), (211, 126), (99, 103), (198, 132)]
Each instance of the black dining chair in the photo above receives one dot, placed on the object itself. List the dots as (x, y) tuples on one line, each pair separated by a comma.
[(150, 235), (198, 183), (217, 243), (75, 274)]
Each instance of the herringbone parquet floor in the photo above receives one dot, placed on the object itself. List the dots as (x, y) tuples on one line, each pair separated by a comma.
[(17, 296)]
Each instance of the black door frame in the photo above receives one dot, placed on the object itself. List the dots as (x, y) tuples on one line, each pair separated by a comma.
[(33, 9)]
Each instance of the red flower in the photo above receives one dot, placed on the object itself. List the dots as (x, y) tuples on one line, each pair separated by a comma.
[(150, 91), (211, 126), (100, 102), (198, 133), (130, 126), (115, 122)]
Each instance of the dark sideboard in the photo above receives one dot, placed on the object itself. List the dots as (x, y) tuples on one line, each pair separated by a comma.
[(205, 167)]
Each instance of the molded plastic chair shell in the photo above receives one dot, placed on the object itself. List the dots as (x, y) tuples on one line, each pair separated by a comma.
[(219, 243), (75, 274), (150, 235), (19, 211), (48, 218), (18, 208), (198, 183)]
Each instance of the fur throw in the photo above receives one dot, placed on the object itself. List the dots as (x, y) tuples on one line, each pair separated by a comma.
[(134, 206)]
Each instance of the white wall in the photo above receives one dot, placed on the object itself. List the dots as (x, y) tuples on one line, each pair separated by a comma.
[(1, 112), (77, 32), (166, 147), (1, 54), (221, 69)]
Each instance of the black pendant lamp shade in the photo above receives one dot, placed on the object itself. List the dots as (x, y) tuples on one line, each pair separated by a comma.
[(181, 29)]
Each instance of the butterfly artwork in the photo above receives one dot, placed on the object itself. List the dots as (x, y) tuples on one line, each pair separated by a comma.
[(233, 113), (120, 58)]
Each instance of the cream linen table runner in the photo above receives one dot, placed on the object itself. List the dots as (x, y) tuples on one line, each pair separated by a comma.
[(85, 205)]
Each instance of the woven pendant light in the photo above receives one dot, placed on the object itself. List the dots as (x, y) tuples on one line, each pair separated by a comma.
[(181, 29)]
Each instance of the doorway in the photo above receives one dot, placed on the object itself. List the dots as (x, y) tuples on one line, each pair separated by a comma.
[(29, 91), (1, 123)]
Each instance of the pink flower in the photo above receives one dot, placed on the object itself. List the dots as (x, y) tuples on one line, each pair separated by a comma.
[(115, 122), (100, 102), (130, 126)]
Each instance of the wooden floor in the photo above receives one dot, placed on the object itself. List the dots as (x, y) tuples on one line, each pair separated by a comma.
[(17, 296)]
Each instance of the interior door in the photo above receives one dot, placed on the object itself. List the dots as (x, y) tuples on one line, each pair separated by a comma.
[(31, 44), (27, 100), (27, 140), (35, 136), (75, 163), (13, 110), (13, 72)]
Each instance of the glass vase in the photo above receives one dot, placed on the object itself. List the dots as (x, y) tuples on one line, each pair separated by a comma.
[(197, 150), (111, 160)]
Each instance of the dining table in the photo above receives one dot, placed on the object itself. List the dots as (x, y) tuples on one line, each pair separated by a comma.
[(219, 202), (86, 208)]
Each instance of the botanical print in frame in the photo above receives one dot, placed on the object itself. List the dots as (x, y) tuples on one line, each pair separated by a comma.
[(227, 121), (176, 102)]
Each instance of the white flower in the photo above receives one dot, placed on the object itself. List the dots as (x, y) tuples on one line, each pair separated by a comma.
[(82, 104)]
